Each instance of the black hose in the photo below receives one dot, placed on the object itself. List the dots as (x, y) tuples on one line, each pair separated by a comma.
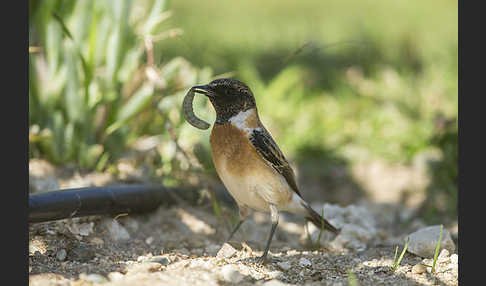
[(95, 201), (111, 200)]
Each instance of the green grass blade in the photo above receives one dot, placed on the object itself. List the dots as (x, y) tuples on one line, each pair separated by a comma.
[(395, 257), (216, 206), (352, 280), (401, 255), (437, 249)]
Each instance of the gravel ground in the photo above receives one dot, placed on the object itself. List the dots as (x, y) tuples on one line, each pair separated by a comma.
[(184, 245), (181, 246)]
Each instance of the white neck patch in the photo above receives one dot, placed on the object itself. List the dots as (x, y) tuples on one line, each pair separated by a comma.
[(239, 120)]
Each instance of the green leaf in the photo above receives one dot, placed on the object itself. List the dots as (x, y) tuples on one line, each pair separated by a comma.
[(155, 18), (57, 145), (70, 142), (137, 102), (63, 26), (102, 162), (53, 47), (74, 97), (116, 40), (91, 154)]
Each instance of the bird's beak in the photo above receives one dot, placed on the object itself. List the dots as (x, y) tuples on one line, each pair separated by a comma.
[(203, 89)]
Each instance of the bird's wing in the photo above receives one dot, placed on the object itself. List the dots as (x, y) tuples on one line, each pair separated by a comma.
[(268, 149)]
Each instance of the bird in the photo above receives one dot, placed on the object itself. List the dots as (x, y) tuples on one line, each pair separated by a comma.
[(248, 160)]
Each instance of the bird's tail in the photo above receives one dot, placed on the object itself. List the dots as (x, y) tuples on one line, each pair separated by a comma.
[(318, 220)]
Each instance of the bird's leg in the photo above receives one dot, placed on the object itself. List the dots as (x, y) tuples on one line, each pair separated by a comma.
[(235, 229), (274, 218), (243, 215)]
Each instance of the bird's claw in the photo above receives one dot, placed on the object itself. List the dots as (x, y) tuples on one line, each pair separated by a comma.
[(263, 259)]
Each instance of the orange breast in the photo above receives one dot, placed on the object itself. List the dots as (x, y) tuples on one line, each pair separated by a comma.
[(230, 145)]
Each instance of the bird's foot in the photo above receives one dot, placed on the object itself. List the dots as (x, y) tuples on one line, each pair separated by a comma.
[(264, 259)]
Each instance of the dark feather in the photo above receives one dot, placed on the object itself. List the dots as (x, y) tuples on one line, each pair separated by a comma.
[(268, 149), (319, 221)]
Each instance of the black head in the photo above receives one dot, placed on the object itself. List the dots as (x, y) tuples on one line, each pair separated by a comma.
[(228, 96)]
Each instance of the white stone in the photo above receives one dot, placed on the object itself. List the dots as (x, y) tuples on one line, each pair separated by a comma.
[(424, 241), (93, 278), (454, 259), (304, 262), (274, 274), (230, 273), (113, 276), (444, 256), (117, 232), (83, 229), (149, 240), (357, 224), (275, 282), (226, 251), (285, 266)]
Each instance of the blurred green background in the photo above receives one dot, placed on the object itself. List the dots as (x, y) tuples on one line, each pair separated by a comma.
[(339, 84)]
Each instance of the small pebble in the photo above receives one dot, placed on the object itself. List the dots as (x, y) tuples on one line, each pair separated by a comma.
[(274, 274), (37, 245), (83, 229), (275, 282), (418, 269), (144, 267), (305, 262), (61, 254), (113, 276), (97, 241), (231, 274), (149, 240), (93, 278), (285, 266), (160, 259), (226, 251), (117, 231), (454, 259), (444, 256)]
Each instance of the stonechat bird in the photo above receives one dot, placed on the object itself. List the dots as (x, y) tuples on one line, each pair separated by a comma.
[(247, 159)]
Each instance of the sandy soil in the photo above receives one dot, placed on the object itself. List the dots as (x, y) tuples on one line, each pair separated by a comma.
[(180, 245), (183, 245)]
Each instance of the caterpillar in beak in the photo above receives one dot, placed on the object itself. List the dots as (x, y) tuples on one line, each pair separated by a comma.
[(189, 111)]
